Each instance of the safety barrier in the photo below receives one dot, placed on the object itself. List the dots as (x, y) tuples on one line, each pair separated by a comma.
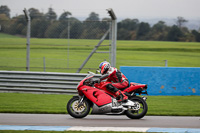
[(40, 82), (166, 80)]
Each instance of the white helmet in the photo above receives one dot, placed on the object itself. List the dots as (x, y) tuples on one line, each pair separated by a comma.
[(104, 67)]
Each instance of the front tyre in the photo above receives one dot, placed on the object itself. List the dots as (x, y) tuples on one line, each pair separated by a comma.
[(77, 109), (139, 111)]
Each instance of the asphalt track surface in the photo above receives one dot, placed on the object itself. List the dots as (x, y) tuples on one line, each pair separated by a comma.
[(99, 121)]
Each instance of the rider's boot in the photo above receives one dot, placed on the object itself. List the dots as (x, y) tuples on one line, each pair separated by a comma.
[(121, 96)]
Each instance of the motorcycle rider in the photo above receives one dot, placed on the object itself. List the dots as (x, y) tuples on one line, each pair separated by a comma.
[(119, 81)]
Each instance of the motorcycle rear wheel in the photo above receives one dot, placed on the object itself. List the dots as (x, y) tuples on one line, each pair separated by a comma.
[(137, 114), (76, 110)]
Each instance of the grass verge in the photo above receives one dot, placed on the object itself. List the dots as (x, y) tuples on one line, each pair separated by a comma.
[(63, 57), (56, 104)]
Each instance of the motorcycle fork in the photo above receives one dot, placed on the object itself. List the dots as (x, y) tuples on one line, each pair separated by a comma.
[(81, 98)]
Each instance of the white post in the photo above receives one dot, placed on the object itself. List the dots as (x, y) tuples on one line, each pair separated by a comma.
[(166, 63), (28, 35), (114, 37)]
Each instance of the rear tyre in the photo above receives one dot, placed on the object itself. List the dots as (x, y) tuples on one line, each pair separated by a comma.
[(139, 113), (76, 109)]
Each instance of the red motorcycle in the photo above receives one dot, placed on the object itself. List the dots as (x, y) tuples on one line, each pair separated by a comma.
[(95, 95)]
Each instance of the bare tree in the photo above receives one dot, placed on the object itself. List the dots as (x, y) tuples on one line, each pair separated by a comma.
[(180, 21)]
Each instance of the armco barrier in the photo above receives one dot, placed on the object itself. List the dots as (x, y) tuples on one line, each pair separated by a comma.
[(40, 82), (176, 81)]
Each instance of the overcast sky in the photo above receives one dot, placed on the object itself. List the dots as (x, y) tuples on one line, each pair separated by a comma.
[(122, 8)]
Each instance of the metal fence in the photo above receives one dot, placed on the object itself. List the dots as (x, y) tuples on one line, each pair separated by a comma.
[(40, 82), (57, 46), (60, 45)]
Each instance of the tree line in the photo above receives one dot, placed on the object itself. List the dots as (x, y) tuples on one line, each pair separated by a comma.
[(49, 25)]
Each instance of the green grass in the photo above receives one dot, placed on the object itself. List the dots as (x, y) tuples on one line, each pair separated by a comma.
[(174, 105), (33, 103), (51, 103), (58, 52), (63, 53), (3, 35)]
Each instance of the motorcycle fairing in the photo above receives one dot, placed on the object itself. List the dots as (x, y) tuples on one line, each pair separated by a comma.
[(103, 87), (134, 86), (101, 110), (97, 96)]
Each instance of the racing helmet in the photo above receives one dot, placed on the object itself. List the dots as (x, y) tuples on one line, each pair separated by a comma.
[(104, 67)]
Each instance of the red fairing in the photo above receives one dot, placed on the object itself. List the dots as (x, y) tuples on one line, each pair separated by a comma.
[(95, 95), (99, 93), (134, 86), (80, 85), (102, 86)]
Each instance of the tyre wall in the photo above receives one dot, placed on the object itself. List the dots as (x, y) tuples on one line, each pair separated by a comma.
[(177, 81)]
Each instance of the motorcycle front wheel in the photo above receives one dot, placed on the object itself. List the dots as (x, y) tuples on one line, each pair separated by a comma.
[(77, 109), (141, 110)]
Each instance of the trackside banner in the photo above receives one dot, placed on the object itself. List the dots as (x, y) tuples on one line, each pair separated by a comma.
[(174, 81)]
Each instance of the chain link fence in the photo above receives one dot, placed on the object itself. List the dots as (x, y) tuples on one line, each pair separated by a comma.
[(54, 45), (59, 45)]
